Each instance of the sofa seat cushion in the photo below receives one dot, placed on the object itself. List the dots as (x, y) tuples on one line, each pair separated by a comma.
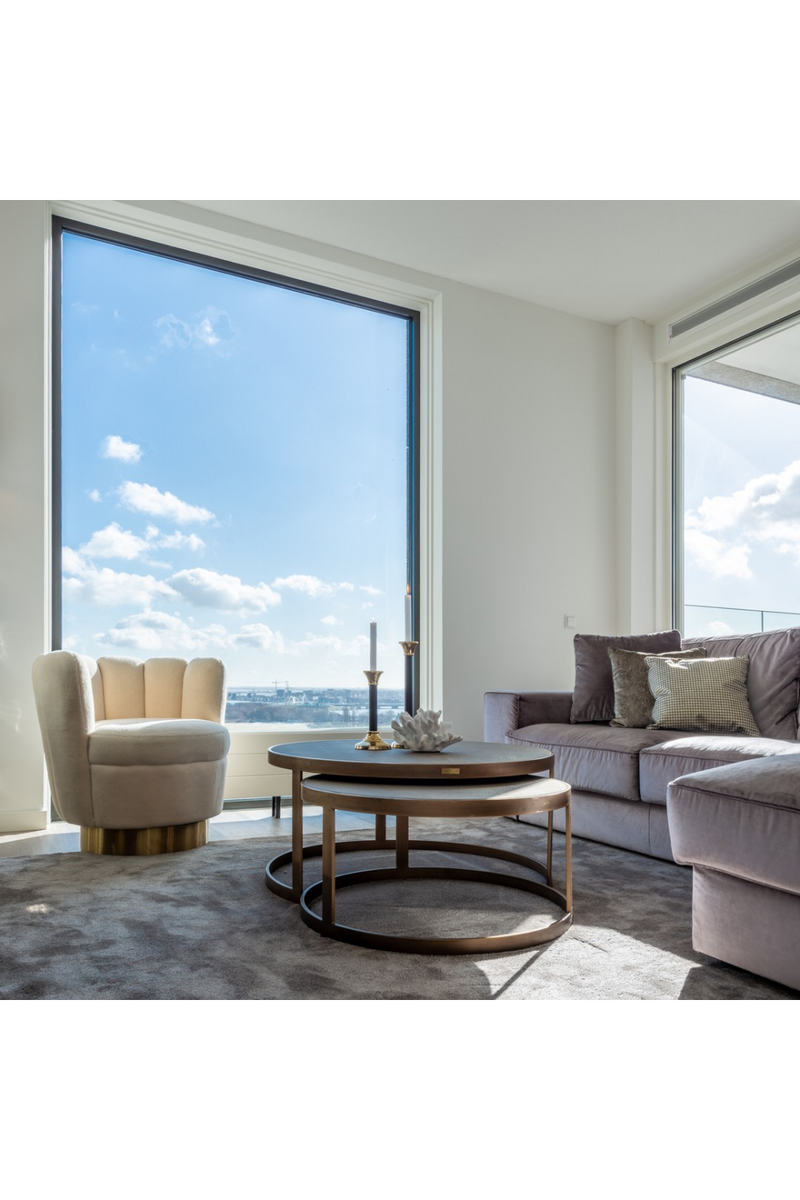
[(742, 819), (594, 758), (659, 765), (144, 742)]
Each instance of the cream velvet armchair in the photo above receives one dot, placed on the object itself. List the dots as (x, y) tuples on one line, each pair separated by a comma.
[(136, 751)]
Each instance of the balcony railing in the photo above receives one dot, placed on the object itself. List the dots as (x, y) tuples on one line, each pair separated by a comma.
[(702, 620)]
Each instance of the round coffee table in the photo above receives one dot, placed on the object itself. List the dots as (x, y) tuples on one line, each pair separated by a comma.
[(460, 762), (400, 799)]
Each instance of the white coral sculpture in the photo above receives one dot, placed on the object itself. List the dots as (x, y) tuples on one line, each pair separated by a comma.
[(425, 731)]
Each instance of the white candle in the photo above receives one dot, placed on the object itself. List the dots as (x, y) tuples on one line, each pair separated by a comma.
[(373, 645), (408, 613)]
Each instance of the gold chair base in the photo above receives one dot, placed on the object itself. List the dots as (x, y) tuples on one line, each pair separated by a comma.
[(166, 839)]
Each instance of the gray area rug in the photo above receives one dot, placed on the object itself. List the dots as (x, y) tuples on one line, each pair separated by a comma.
[(202, 925)]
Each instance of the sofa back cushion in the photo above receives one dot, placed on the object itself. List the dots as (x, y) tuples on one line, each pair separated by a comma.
[(773, 678), (593, 697)]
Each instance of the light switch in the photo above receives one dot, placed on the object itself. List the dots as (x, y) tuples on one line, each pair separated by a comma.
[(569, 622)]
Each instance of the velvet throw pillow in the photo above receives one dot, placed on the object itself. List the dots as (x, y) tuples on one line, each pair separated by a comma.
[(633, 700), (593, 694), (706, 696)]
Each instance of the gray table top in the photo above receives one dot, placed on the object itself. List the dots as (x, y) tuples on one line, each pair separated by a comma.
[(464, 760), (506, 797)]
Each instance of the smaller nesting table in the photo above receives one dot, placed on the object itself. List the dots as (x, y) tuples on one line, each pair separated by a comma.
[(507, 797)]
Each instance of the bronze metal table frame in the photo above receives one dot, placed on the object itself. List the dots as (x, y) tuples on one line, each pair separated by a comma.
[(303, 758), (557, 795)]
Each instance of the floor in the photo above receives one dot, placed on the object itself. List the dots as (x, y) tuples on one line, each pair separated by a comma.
[(230, 825)]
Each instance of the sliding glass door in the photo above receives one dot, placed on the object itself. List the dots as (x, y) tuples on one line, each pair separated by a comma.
[(737, 486)]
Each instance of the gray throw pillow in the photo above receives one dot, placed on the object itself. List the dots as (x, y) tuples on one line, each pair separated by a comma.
[(593, 695), (633, 700), (706, 696)]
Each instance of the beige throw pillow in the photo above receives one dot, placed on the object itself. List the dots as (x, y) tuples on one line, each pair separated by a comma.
[(706, 696), (633, 700)]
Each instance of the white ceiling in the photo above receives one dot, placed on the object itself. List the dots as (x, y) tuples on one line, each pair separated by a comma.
[(604, 259)]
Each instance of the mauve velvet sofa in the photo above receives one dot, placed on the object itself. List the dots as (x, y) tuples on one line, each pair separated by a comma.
[(727, 806)]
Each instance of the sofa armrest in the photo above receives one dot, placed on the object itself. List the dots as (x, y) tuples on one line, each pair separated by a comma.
[(506, 711)]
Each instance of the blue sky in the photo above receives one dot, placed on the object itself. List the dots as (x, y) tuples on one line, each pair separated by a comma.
[(234, 470), (741, 502)]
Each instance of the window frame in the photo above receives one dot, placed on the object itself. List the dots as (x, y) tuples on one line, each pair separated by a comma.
[(65, 224)]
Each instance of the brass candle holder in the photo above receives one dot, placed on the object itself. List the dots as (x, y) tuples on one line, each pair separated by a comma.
[(373, 740)]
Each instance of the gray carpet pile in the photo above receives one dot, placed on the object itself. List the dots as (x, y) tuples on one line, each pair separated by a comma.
[(202, 925)]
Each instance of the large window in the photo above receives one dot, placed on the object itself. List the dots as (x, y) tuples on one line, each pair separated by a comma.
[(235, 468), (738, 487)]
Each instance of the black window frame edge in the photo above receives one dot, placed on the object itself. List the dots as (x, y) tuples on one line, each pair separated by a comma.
[(62, 225), (677, 435)]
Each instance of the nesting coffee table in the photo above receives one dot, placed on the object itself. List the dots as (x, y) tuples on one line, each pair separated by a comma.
[(468, 779)]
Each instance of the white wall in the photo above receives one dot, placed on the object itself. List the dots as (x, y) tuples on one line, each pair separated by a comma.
[(24, 459), (638, 545), (528, 495), (526, 402)]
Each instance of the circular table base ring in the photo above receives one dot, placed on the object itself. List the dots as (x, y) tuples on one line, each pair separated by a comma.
[(438, 945), (315, 851)]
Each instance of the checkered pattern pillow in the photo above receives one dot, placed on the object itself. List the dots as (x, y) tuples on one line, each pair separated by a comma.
[(706, 696)]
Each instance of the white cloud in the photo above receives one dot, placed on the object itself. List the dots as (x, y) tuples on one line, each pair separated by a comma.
[(357, 646), (148, 631), (370, 590), (330, 620), (262, 637), (765, 510), (71, 561), (311, 585), (258, 637), (718, 628), (181, 541), (718, 558), (209, 589), (114, 542), (212, 327), (115, 447), (88, 584), (173, 331), (95, 496), (143, 497)]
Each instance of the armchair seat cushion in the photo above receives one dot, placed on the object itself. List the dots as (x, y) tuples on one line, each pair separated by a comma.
[(594, 758), (143, 742)]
